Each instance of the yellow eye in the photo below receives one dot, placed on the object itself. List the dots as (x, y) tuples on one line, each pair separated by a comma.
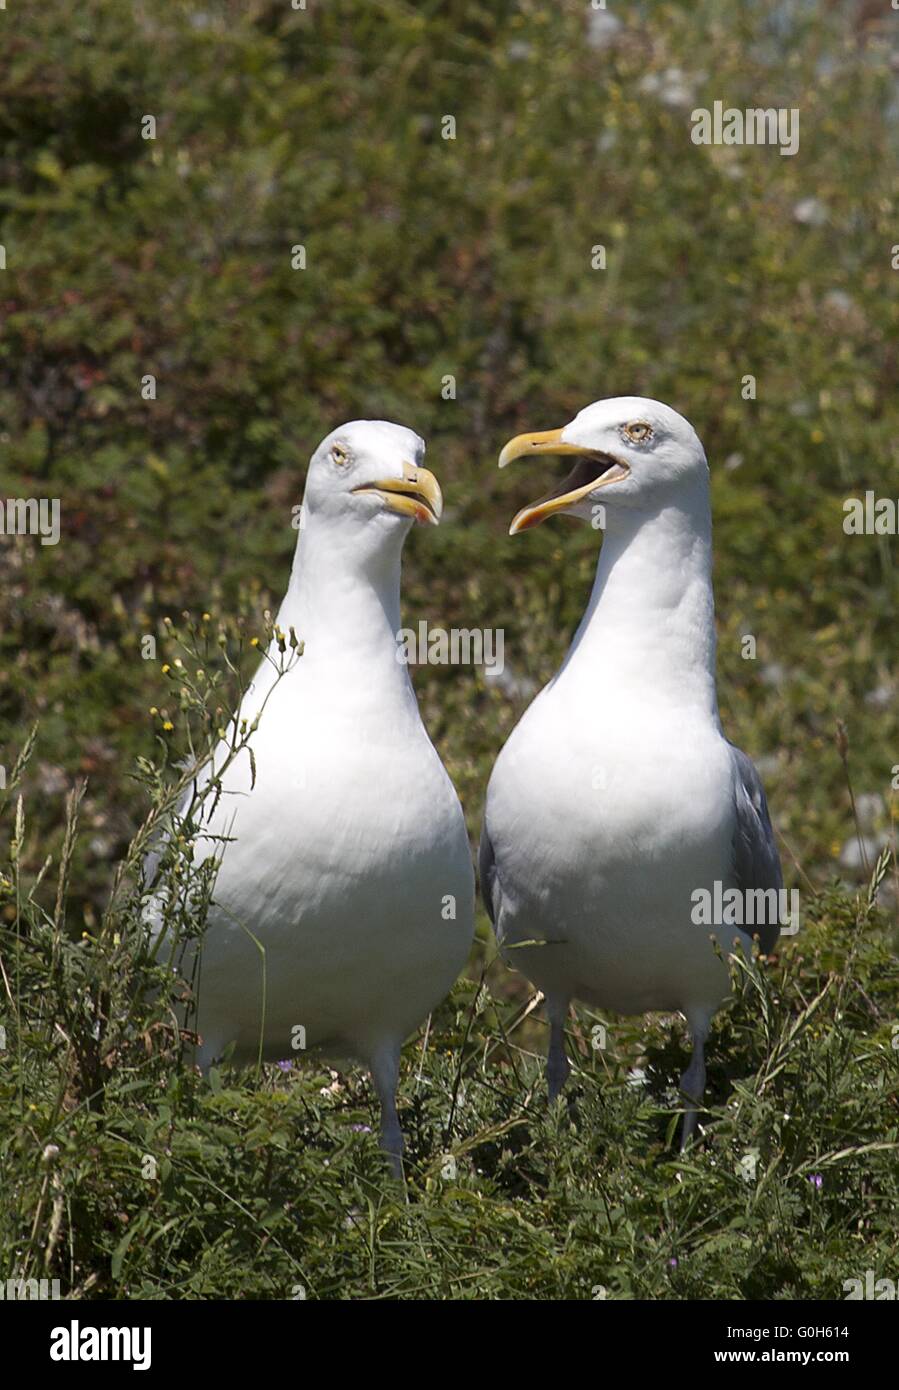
[(339, 455), (638, 431)]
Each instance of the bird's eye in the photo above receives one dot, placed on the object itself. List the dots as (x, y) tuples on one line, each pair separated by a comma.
[(339, 455), (638, 431)]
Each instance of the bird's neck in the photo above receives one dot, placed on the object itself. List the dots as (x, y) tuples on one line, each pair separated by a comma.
[(649, 628), (343, 600)]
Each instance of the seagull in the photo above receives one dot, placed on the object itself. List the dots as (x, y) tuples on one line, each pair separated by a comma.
[(617, 802), (343, 904)]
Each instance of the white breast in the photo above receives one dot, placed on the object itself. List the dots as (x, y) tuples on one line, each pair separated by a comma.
[(350, 866)]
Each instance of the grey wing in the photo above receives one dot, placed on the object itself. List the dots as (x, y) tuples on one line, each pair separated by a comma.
[(487, 874), (756, 861)]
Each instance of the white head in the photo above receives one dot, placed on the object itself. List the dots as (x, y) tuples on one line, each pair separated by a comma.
[(366, 479), (631, 452)]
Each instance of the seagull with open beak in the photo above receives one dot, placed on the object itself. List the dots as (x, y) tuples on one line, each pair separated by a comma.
[(617, 802)]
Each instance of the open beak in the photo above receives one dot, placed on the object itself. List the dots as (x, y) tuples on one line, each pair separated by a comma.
[(416, 494), (591, 471)]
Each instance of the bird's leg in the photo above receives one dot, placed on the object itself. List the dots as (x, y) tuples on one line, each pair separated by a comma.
[(385, 1070), (692, 1083), (557, 1065)]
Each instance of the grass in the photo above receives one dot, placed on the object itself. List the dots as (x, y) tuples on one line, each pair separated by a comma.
[(127, 1175)]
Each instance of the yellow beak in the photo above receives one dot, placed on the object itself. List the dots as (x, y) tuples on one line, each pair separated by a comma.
[(540, 442), (594, 470), (416, 494)]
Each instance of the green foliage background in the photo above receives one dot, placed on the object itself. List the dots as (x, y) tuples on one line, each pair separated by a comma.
[(428, 257)]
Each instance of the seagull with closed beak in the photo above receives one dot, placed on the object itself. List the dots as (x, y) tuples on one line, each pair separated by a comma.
[(344, 898), (617, 802)]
